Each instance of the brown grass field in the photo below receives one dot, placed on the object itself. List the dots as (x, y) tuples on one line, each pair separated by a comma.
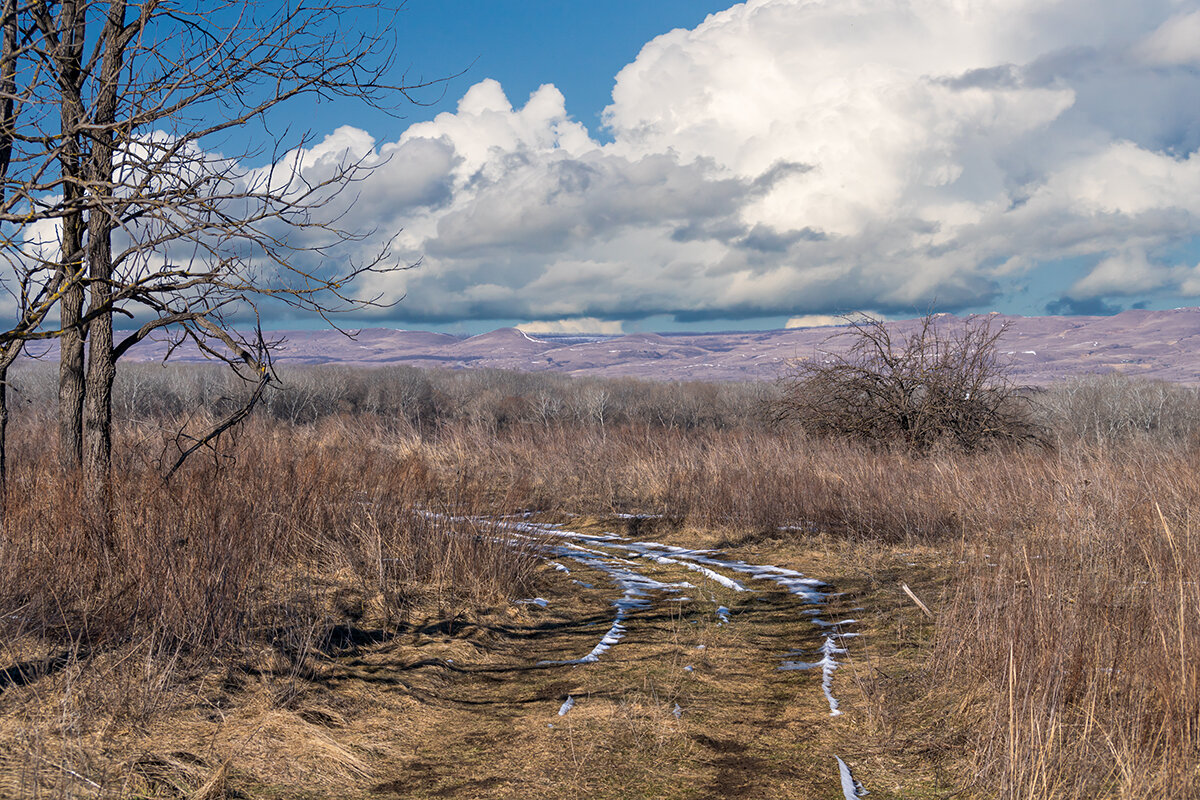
[(322, 609)]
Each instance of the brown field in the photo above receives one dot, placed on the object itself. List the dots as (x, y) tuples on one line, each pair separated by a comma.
[(321, 607)]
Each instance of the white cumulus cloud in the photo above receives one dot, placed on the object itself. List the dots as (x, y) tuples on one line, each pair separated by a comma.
[(801, 157)]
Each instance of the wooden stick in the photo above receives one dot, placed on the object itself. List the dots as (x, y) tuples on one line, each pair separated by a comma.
[(916, 600)]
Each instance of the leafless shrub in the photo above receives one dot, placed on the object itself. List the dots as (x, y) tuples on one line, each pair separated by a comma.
[(248, 551), (929, 386)]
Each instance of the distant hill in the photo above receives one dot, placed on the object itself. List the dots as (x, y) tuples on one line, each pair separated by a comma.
[(1156, 344)]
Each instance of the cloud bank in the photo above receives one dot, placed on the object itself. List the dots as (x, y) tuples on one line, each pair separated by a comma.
[(804, 157)]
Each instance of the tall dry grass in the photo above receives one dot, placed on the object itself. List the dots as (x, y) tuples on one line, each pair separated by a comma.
[(1067, 640), (222, 550), (261, 562), (1079, 633), (749, 480)]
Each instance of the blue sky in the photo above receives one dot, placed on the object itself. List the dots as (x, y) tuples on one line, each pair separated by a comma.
[(782, 160), (579, 46)]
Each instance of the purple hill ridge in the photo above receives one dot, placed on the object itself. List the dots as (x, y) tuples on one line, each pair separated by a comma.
[(1153, 344)]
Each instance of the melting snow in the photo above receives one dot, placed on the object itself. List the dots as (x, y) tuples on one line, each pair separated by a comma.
[(717, 577), (828, 665), (851, 789), (634, 596), (596, 551)]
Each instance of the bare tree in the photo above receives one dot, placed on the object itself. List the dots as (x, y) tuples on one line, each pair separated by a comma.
[(936, 384), (593, 404), (1114, 406), (151, 223)]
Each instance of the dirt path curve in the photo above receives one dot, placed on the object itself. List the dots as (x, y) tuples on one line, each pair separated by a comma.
[(643, 670)]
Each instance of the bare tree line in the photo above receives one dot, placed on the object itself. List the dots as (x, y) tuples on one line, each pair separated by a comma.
[(423, 398), (1096, 408), (1113, 407)]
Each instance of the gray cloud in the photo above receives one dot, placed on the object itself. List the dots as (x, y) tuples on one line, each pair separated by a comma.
[(1092, 307)]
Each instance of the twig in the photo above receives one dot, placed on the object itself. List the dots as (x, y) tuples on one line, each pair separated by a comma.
[(916, 600)]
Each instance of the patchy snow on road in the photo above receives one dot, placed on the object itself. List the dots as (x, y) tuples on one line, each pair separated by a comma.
[(637, 590), (626, 565), (851, 789), (712, 575), (828, 665), (620, 559)]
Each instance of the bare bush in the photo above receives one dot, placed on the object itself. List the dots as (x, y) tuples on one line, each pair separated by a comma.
[(224, 558), (931, 385)]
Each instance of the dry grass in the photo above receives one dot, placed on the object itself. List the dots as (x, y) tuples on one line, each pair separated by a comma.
[(1069, 634), (261, 563), (739, 480), (1065, 651), (1080, 634)]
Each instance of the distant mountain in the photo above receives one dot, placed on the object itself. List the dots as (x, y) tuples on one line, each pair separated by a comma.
[(1156, 344)]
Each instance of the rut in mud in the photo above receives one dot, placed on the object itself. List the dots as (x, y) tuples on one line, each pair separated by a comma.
[(642, 669)]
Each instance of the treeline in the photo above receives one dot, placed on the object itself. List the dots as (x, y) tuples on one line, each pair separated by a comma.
[(1095, 408), (1115, 407), (423, 398)]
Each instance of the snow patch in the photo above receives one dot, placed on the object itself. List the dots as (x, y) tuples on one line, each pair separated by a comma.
[(851, 789)]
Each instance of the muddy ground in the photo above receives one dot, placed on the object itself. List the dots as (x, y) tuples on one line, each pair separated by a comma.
[(689, 702)]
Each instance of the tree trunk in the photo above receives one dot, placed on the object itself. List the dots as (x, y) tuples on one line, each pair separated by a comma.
[(71, 379), (3, 448), (71, 386), (97, 418), (8, 91), (102, 367)]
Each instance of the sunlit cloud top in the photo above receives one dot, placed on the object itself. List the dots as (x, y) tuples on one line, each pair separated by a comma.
[(789, 158)]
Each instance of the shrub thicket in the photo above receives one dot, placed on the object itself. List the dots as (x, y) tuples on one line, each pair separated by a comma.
[(928, 386)]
